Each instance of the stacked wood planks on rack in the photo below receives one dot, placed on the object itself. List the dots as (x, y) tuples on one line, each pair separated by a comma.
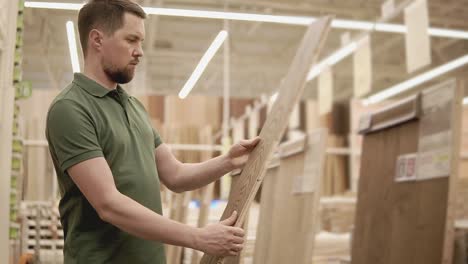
[(178, 203), (337, 213), (206, 193), (290, 202), (176, 206), (331, 248), (407, 187), (268, 197), (358, 110), (335, 179), (464, 145)]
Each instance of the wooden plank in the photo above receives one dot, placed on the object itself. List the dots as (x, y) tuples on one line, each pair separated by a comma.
[(254, 119), (417, 39), (238, 134), (456, 118), (292, 204), (392, 115), (362, 68), (412, 221), (289, 94), (206, 193), (325, 92), (267, 204)]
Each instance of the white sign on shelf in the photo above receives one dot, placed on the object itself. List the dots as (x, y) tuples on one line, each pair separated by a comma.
[(254, 120), (435, 132), (388, 7), (238, 131), (362, 67), (345, 38), (417, 40), (406, 168), (295, 119), (325, 91)]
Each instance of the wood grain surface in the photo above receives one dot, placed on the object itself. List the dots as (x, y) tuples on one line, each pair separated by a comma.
[(289, 94)]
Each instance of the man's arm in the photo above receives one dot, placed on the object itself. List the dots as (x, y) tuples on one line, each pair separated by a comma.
[(94, 179), (180, 177)]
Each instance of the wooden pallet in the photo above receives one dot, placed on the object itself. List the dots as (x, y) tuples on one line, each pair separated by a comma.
[(41, 232)]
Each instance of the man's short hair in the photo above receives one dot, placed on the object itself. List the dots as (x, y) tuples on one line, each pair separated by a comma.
[(107, 15)]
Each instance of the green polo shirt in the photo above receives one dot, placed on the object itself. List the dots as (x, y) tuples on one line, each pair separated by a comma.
[(86, 121)]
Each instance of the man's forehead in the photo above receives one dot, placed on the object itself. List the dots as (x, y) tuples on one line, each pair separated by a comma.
[(134, 25)]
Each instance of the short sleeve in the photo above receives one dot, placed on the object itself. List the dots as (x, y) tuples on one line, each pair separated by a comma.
[(157, 139), (71, 134)]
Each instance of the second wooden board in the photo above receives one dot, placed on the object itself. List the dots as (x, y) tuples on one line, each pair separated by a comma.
[(289, 94)]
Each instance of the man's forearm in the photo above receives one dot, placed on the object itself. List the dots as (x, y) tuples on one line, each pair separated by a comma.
[(191, 176), (140, 221)]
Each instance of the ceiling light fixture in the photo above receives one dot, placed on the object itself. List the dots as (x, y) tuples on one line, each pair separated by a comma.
[(291, 20), (332, 60), (413, 82), (72, 46), (209, 54)]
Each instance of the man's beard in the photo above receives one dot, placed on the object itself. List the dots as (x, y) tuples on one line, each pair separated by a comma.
[(120, 76)]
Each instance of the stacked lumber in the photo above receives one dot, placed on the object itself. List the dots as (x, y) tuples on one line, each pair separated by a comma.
[(337, 214), (464, 145), (357, 111), (331, 248), (461, 207), (39, 172), (291, 89), (178, 203), (289, 202), (335, 179)]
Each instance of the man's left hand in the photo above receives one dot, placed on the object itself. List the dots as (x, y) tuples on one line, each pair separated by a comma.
[(239, 153)]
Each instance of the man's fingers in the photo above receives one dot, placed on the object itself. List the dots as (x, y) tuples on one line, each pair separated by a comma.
[(238, 240), (230, 221), (237, 247), (255, 141), (237, 231), (250, 143)]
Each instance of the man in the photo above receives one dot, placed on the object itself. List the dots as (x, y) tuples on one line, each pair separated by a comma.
[(109, 160)]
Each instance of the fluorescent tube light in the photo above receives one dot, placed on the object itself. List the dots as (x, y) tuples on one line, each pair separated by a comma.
[(274, 97), (448, 33), (352, 24), (53, 5), (393, 28), (413, 82), (209, 54), (465, 101), (342, 53), (332, 60), (72, 47), (292, 20)]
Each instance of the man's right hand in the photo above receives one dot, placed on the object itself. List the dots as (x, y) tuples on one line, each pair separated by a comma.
[(221, 239)]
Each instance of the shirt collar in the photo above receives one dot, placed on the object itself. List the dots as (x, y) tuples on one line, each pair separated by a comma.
[(94, 88)]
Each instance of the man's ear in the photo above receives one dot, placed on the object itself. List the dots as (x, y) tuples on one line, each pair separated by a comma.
[(95, 39)]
